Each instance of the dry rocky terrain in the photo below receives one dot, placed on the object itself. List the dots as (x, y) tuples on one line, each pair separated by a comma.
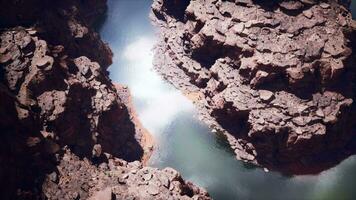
[(277, 78), (67, 131)]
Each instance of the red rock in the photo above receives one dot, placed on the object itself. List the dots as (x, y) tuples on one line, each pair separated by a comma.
[(280, 67), (5, 58), (266, 95)]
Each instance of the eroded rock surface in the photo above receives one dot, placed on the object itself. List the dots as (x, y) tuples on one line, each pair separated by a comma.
[(62, 119), (63, 22), (58, 100), (276, 77), (116, 179)]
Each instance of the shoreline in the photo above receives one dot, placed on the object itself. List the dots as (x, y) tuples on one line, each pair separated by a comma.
[(145, 137), (327, 160)]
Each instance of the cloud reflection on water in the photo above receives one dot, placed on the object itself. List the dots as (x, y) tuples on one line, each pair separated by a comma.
[(183, 142), (164, 105), (163, 102)]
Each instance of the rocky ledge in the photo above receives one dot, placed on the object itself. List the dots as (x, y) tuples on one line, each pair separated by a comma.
[(276, 77), (116, 179), (67, 131)]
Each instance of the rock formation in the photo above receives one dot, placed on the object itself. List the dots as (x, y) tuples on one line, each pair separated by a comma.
[(116, 179), (276, 77), (67, 131)]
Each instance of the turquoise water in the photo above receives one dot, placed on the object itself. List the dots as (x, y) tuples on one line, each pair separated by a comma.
[(186, 144)]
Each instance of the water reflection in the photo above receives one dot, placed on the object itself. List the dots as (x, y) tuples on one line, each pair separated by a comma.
[(155, 98), (186, 144)]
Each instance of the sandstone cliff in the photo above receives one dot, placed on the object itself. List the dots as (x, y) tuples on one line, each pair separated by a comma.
[(276, 77), (67, 132)]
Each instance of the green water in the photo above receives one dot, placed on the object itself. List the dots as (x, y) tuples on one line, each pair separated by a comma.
[(186, 144)]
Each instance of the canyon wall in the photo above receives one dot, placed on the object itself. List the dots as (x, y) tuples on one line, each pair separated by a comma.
[(67, 131), (277, 78)]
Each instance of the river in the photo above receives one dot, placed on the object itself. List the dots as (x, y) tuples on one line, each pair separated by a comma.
[(185, 143)]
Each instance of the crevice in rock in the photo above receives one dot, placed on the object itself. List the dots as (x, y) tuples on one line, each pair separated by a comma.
[(212, 51), (236, 122), (290, 83), (176, 8)]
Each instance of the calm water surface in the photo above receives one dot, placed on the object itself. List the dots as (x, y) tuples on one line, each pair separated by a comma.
[(186, 144)]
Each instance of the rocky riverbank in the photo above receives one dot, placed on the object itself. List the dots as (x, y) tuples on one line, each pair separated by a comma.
[(116, 179), (146, 141), (277, 78), (68, 132)]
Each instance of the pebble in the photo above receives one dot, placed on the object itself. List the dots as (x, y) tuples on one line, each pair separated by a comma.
[(153, 190), (164, 180), (147, 177), (43, 62), (98, 95), (53, 177), (308, 14), (320, 113), (121, 180), (266, 95), (32, 32), (239, 28), (325, 5), (97, 150), (126, 176)]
